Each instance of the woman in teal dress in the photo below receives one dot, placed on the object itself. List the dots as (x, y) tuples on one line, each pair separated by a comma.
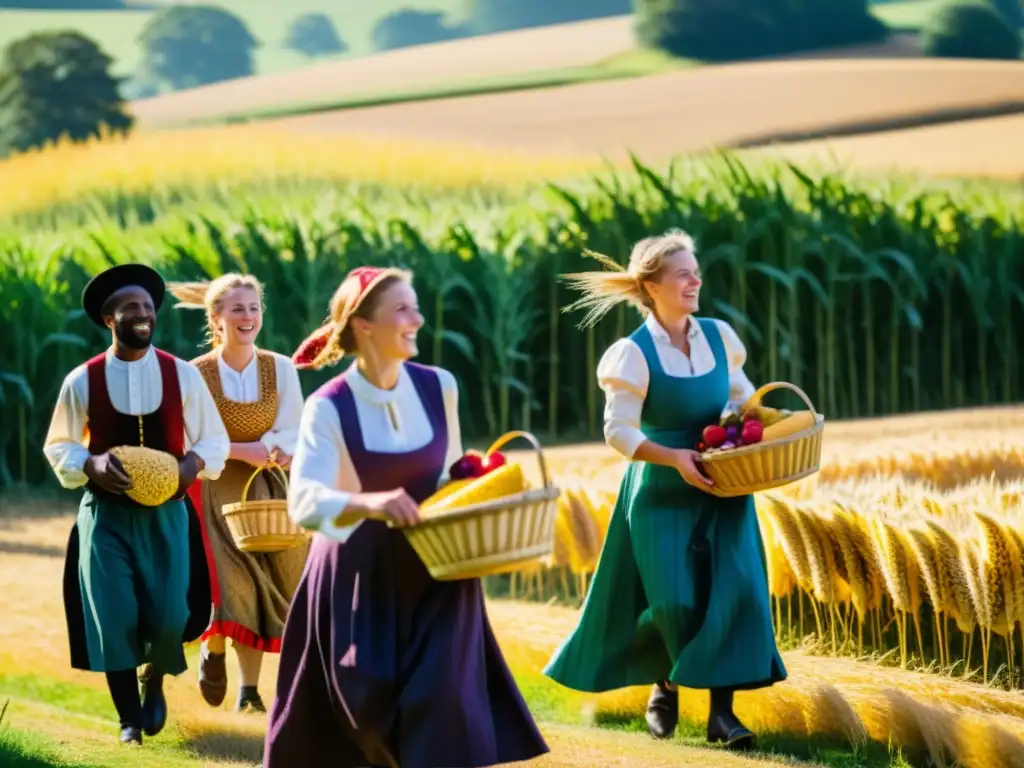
[(680, 596)]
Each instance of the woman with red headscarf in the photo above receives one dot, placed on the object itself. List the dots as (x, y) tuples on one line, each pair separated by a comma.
[(382, 665)]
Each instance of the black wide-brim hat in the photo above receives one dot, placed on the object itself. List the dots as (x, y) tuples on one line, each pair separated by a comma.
[(106, 283)]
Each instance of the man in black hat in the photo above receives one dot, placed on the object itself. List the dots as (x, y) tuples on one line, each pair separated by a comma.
[(136, 578)]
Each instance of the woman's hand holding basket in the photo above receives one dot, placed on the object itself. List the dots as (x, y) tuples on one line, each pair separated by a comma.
[(396, 507), (687, 463)]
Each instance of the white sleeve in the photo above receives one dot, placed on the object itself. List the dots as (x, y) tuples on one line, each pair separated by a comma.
[(65, 446), (284, 435), (203, 425), (450, 391), (322, 478), (623, 375), (740, 388)]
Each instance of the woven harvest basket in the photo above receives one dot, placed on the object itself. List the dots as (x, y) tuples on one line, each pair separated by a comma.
[(761, 466), (496, 536), (263, 525)]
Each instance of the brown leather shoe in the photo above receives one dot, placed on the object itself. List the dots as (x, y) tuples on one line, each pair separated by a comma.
[(213, 677)]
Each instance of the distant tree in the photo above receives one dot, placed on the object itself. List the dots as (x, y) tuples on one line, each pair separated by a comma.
[(409, 27), (970, 29), (727, 30), (55, 84), (313, 34), (184, 46), (487, 16), (1012, 10)]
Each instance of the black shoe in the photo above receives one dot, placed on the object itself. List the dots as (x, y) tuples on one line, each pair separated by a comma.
[(131, 735), (728, 730), (154, 705), (251, 703), (662, 712)]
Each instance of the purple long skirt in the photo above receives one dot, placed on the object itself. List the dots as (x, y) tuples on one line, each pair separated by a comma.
[(381, 665)]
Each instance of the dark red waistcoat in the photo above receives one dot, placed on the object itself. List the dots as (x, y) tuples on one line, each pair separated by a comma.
[(162, 429)]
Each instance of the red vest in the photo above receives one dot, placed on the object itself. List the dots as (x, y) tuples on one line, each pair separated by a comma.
[(163, 429)]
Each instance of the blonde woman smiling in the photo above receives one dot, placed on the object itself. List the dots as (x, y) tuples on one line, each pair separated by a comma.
[(680, 596), (259, 399)]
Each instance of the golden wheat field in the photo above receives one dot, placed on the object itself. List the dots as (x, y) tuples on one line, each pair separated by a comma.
[(147, 162)]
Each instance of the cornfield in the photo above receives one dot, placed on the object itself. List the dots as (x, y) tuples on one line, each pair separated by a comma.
[(875, 297)]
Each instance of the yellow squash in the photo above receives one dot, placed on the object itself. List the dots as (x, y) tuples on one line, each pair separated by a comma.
[(154, 474), (795, 422), (443, 493)]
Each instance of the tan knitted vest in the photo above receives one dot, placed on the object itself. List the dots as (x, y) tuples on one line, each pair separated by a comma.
[(245, 422)]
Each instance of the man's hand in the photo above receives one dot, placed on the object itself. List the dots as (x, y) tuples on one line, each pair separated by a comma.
[(189, 468), (106, 471)]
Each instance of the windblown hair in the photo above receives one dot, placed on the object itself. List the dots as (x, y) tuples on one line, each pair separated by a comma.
[(342, 339), (210, 295), (603, 290)]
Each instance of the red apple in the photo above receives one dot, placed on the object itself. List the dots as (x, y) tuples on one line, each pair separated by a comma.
[(714, 435), (470, 464), (752, 432), (491, 462)]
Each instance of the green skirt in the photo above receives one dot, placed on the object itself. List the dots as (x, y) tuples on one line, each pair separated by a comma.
[(136, 585), (658, 609)]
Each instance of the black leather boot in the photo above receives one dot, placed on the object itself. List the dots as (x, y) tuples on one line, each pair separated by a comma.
[(723, 725), (249, 701), (154, 705), (662, 711)]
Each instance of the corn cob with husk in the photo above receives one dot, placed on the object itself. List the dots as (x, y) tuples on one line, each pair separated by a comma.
[(154, 474)]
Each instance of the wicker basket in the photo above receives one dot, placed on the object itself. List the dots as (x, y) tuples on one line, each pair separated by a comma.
[(264, 525), (496, 536), (758, 467)]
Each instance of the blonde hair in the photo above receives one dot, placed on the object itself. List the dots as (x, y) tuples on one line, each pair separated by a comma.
[(602, 291), (210, 295), (346, 304)]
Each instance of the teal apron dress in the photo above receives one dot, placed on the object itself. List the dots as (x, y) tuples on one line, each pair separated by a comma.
[(681, 588)]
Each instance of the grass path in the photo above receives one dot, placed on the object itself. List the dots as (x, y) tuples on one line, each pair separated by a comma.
[(59, 713), (830, 712)]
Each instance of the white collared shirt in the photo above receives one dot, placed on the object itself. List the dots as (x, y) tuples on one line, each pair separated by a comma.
[(135, 388), (323, 476), (244, 387), (623, 375)]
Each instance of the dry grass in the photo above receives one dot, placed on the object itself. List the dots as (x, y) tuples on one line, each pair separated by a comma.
[(989, 148), (692, 110), (406, 69)]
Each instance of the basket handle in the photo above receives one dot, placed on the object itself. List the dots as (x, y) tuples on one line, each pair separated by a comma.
[(510, 436), (270, 465), (755, 399)]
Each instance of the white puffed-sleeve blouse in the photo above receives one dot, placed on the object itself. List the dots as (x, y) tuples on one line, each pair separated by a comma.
[(623, 376), (323, 476)]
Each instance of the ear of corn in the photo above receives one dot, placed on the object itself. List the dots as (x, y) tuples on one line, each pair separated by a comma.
[(443, 493), (506, 480), (154, 474)]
